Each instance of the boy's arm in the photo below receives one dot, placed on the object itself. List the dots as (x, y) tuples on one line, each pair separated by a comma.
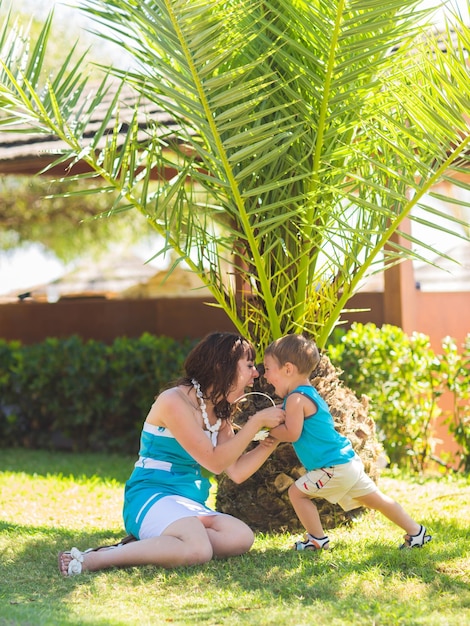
[(295, 414)]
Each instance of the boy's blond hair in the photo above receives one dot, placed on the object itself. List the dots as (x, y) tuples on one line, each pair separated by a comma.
[(295, 349)]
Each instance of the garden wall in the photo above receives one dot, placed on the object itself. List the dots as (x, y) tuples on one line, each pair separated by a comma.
[(104, 320), (434, 314), (439, 315)]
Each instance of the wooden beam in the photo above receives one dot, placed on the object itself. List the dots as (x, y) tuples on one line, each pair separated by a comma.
[(400, 293)]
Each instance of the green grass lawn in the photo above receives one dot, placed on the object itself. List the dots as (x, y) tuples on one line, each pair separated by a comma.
[(53, 501)]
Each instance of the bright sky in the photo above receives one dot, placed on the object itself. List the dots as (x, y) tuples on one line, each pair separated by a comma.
[(30, 265)]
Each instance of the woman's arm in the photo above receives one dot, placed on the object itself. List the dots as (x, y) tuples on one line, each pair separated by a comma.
[(173, 411), (247, 464)]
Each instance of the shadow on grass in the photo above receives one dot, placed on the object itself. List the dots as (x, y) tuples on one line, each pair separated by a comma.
[(335, 581), (32, 591)]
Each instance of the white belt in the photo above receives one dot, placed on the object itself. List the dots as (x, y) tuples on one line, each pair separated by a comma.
[(147, 463)]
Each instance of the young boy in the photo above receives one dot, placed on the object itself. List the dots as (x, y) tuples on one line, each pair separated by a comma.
[(334, 471)]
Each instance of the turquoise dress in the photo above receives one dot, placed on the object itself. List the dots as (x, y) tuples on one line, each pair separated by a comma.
[(164, 468)]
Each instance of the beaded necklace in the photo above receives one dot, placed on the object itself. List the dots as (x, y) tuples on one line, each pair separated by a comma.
[(213, 430)]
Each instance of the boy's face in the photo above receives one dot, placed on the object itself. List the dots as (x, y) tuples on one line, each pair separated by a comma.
[(275, 375)]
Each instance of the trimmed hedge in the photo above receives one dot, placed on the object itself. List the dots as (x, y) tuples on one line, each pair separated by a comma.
[(83, 395)]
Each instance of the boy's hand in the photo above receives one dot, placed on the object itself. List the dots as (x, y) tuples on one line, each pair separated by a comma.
[(269, 442)]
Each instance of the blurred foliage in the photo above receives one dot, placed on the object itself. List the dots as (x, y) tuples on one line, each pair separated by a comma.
[(69, 27), (404, 378), (453, 375), (68, 223)]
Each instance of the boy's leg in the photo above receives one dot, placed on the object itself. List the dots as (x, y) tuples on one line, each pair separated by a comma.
[(391, 509), (306, 511), (416, 534)]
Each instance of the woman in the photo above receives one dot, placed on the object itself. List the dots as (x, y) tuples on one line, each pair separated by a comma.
[(187, 435)]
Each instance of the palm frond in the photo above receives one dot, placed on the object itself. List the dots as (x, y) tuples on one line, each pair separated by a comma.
[(306, 133)]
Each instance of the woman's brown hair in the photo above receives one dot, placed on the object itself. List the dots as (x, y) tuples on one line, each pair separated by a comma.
[(213, 364)]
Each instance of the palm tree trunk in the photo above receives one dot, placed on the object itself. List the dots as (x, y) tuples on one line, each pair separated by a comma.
[(262, 501)]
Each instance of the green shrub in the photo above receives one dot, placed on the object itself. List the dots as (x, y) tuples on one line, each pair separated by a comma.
[(56, 384), (8, 409), (396, 372), (138, 369), (83, 395)]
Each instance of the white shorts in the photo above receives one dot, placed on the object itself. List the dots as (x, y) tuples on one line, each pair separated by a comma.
[(167, 510), (340, 484)]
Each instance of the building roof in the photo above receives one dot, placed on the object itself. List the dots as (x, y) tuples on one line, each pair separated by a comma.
[(105, 277), (114, 276), (22, 153)]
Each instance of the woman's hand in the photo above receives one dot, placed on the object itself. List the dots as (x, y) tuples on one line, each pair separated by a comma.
[(251, 461), (270, 417)]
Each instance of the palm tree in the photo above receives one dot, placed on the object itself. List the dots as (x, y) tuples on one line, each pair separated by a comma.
[(307, 132)]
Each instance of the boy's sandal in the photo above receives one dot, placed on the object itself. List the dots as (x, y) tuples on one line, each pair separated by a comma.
[(416, 541), (312, 543), (75, 564)]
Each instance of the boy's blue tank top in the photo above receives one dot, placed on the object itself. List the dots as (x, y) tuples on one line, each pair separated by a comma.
[(320, 444), (163, 468)]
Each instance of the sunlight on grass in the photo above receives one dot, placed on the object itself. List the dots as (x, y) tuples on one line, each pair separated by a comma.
[(57, 501), (364, 579), (371, 584)]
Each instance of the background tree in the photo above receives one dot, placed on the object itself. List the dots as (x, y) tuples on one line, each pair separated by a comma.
[(314, 130), (59, 216)]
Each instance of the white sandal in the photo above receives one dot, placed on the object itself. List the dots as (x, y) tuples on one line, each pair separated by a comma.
[(75, 565), (416, 541)]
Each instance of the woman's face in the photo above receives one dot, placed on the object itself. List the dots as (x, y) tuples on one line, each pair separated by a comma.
[(246, 374)]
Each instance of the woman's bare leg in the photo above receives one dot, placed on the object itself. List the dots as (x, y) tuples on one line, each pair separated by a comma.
[(228, 535), (184, 542)]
